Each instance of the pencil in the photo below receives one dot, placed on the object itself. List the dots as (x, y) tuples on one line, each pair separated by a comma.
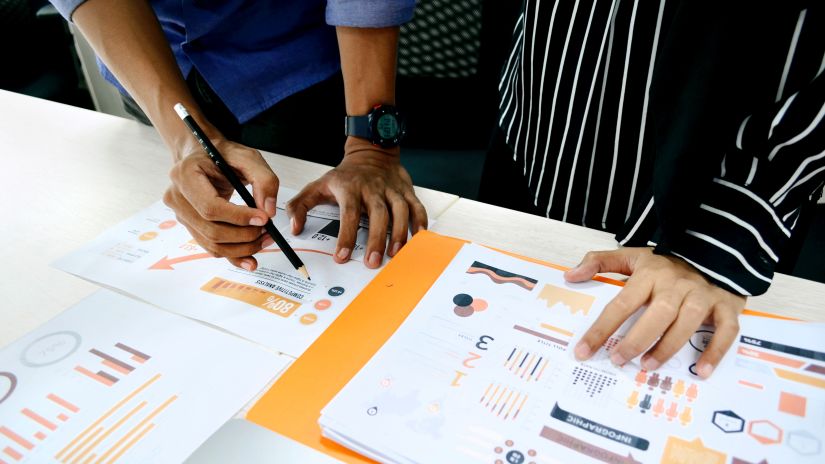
[(239, 187)]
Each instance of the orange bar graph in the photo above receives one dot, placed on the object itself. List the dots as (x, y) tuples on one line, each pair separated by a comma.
[(116, 367), (131, 443), (142, 423), (96, 377), (758, 354), (62, 402), (38, 418), (10, 452), (108, 432), (90, 458), (16, 438), (268, 301), (105, 416), (795, 377)]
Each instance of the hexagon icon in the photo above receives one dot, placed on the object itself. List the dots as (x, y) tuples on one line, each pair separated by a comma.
[(765, 432), (728, 421), (804, 443)]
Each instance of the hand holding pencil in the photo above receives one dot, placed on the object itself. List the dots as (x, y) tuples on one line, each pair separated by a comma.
[(202, 185)]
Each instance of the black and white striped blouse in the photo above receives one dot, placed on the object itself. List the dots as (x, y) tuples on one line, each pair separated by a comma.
[(692, 126)]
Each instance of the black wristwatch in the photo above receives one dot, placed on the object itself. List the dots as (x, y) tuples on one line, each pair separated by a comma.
[(383, 126)]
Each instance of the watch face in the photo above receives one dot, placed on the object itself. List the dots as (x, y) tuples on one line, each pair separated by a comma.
[(387, 126)]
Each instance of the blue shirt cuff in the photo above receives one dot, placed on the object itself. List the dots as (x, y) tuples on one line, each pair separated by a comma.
[(67, 7), (369, 13)]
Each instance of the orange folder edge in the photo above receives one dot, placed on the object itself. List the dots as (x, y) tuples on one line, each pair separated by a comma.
[(293, 404)]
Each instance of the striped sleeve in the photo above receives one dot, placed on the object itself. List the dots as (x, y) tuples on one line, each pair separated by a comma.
[(774, 165)]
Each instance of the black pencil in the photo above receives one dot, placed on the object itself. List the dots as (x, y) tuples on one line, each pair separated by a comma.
[(230, 175)]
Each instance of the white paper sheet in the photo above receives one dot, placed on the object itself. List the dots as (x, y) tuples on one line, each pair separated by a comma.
[(152, 257), (112, 379), (483, 371)]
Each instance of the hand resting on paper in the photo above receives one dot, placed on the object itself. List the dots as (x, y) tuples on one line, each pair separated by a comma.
[(200, 194), (678, 298), (368, 179)]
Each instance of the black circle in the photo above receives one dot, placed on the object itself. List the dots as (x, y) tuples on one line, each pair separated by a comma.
[(515, 457), (336, 291), (463, 299)]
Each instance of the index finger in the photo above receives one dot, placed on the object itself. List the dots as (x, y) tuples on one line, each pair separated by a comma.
[(635, 294)]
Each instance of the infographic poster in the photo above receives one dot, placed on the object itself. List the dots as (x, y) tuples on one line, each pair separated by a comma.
[(483, 371), (152, 257), (115, 380)]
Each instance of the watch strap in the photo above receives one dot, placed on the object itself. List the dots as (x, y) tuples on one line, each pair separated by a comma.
[(357, 126)]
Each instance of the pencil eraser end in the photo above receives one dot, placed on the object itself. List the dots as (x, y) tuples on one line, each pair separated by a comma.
[(181, 110)]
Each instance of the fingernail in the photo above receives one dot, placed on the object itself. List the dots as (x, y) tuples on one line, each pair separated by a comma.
[(420, 228), (293, 226), (270, 207), (582, 351), (375, 259), (267, 242), (395, 248), (246, 265), (617, 359), (256, 221), (343, 253), (705, 370), (649, 363)]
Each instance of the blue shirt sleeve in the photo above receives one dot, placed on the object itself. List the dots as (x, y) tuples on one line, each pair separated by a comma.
[(369, 13), (66, 7)]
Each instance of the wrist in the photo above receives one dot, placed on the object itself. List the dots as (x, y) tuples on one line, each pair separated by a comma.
[(356, 146)]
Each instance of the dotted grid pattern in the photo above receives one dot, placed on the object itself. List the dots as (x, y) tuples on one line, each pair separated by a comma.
[(594, 383), (442, 40)]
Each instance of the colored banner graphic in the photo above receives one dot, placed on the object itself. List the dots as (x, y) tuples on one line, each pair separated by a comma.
[(787, 349), (271, 302), (501, 276), (680, 451), (587, 449), (575, 301), (598, 429)]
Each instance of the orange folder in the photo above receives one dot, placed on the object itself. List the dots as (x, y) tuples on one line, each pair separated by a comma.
[(293, 404)]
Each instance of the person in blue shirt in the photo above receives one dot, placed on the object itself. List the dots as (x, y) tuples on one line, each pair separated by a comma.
[(262, 75)]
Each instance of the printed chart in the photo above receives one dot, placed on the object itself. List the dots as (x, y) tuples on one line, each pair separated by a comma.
[(109, 380), (484, 370), (152, 257)]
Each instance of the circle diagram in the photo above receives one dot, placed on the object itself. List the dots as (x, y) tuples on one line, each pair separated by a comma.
[(308, 319), (336, 291), (50, 349), (8, 382), (321, 305), (466, 305)]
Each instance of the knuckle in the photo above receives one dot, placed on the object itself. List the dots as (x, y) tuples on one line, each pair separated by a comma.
[(665, 308), (209, 212), (694, 310)]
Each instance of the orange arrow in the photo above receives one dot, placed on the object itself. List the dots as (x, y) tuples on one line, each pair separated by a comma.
[(166, 263)]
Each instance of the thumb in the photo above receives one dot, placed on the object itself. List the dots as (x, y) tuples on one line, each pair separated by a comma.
[(595, 262)]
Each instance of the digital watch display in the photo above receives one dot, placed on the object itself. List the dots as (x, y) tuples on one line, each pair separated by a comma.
[(383, 126)]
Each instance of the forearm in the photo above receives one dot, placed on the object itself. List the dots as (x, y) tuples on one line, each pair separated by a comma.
[(126, 35), (368, 60)]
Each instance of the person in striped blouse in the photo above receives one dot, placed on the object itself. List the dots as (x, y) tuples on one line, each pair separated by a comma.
[(693, 130)]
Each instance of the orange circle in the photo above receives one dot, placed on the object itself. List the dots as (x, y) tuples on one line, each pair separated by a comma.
[(479, 305), (146, 236), (321, 305), (308, 319), (167, 224)]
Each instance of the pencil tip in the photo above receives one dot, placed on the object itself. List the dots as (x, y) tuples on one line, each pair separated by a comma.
[(303, 271)]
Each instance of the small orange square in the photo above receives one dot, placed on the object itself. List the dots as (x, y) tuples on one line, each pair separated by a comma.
[(792, 404)]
